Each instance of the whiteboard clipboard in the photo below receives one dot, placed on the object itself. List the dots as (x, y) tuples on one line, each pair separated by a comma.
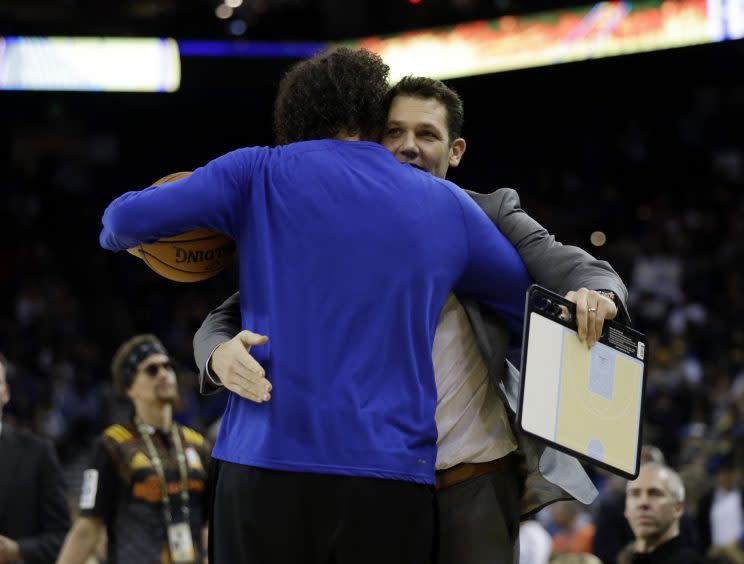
[(585, 402)]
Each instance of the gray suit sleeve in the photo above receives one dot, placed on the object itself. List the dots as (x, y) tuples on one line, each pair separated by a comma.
[(221, 325), (560, 268)]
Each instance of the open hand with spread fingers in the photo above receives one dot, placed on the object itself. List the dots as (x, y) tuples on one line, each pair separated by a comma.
[(232, 363)]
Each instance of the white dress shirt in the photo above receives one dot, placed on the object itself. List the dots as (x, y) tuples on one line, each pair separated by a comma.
[(471, 418)]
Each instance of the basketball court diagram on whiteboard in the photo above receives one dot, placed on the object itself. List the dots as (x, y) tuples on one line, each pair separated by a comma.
[(588, 401)]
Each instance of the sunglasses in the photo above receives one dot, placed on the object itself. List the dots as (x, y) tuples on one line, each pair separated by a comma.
[(153, 368)]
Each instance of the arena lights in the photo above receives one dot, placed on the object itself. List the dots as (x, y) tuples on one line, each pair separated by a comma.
[(598, 238), (238, 27), (89, 64), (250, 49), (223, 11)]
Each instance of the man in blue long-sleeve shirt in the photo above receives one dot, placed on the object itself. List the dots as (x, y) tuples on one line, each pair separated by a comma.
[(347, 257)]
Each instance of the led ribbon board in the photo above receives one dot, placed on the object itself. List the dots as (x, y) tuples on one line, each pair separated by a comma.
[(514, 42)]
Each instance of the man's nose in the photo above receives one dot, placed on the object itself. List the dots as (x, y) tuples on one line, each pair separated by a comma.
[(408, 147), (643, 500)]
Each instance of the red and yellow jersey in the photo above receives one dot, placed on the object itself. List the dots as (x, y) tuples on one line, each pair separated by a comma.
[(122, 488)]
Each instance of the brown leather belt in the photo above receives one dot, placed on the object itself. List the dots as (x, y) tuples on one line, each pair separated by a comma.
[(467, 470)]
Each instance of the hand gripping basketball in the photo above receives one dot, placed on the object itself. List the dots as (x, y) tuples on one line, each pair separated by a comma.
[(189, 257)]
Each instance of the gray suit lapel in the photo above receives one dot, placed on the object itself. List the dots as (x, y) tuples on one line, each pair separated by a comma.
[(491, 334)]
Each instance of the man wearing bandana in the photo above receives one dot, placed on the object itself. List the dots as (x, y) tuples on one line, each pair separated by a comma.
[(146, 481)]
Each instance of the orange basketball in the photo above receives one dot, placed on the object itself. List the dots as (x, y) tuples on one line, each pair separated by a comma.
[(190, 257)]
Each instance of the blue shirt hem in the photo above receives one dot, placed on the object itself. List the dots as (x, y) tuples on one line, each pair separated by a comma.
[(314, 468)]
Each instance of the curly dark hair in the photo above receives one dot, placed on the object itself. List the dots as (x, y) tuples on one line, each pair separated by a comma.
[(423, 87), (338, 91)]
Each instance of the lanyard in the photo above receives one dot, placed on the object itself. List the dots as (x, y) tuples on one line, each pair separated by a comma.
[(158, 465)]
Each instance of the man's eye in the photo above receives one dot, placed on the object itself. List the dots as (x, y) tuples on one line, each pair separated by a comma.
[(393, 131), (429, 134)]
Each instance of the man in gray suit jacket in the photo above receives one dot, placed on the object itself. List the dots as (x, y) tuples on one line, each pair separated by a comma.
[(488, 473)]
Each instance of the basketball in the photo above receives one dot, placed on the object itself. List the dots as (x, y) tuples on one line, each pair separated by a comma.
[(189, 257)]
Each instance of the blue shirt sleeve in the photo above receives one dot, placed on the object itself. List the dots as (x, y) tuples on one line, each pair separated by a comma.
[(494, 272), (212, 197)]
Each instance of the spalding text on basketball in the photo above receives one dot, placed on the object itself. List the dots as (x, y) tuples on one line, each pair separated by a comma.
[(188, 256)]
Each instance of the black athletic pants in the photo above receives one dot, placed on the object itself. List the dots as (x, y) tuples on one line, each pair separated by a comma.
[(264, 516)]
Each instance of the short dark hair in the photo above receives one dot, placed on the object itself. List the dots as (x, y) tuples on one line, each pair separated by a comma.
[(3, 361), (429, 88), (340, 90), (119, 365)]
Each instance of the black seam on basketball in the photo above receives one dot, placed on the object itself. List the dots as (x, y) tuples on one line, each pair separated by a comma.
[(146, 254)]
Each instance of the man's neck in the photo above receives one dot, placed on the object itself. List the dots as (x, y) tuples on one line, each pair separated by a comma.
[(158, 415), (652, 543)]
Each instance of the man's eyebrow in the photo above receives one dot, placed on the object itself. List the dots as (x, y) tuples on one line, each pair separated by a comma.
[(650, 489), (418, 125), (430, 125)]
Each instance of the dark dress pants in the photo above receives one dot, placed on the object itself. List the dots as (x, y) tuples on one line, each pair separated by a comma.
[(274, 517), (479, 519)]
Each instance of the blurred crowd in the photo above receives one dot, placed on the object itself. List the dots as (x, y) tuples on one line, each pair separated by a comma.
[(661, 181)]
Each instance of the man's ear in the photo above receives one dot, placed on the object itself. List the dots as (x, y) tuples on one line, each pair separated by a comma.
[(457, 150)]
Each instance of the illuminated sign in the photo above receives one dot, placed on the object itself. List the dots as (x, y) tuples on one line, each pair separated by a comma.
[(89, 64)]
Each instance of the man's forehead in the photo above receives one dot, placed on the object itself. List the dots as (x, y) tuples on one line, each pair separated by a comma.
[(652, 478), (421, 110)]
